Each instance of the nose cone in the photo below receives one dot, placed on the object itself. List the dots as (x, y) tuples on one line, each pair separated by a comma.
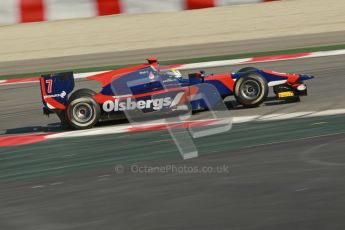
[(304, 77)]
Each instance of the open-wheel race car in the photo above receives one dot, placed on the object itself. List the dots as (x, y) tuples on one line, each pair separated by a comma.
[(148, 89)]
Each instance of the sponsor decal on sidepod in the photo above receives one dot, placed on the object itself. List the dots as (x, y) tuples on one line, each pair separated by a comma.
[(130, 104), (155, 104)]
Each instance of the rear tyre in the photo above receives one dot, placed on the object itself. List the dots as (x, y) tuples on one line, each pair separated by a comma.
[(83, 113), (251, 90), (81, 93)]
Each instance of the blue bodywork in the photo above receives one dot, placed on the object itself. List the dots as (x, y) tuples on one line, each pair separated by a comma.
[(147, 82)]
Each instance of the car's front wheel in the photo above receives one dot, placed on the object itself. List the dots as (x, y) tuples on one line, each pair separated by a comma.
[(251, 90)]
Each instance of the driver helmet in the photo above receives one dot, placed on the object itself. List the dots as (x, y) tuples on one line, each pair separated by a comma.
[(174, 73)]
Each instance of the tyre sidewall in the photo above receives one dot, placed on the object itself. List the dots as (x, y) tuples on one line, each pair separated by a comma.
[(96, 112), (263, 90), (81, 93)]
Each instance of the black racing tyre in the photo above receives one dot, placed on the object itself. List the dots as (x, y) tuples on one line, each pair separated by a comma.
[(247, 69), (251, 90), (83, 112), (81, 93)]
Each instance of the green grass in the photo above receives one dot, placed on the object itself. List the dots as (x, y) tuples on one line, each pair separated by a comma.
[(190, 60)]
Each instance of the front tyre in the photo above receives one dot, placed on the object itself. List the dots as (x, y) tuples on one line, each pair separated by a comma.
[(83, 112), (247, 69), (251, 90)]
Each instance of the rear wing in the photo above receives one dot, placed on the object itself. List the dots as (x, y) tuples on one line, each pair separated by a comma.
[(55, 89)]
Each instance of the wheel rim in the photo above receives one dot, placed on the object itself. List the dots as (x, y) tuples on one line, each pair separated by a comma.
[(250, 89), (83, 113)]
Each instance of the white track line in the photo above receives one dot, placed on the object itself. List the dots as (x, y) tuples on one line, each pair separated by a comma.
[(328, 53), (214, 64), (88, 74), (327, 113), (125, 128), (274, 117), (92, 132), (222, 63), (244, 119), (252, 60)]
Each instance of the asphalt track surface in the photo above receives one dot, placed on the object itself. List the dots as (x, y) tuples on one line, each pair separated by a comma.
[(281, 174)]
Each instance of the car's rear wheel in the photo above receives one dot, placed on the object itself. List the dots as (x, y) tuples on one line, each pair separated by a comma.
[(83, 112), (251, 90), (80, 93)]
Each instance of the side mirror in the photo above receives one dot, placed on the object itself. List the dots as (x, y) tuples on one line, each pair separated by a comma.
[(195, 78), (202, 74)]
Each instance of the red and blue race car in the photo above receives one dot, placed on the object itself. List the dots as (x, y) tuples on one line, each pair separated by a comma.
[(148, 89)]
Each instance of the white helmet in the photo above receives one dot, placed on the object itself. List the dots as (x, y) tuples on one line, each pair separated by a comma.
[(174, 73)]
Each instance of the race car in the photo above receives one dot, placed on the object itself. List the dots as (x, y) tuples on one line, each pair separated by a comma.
[(148, 89)]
